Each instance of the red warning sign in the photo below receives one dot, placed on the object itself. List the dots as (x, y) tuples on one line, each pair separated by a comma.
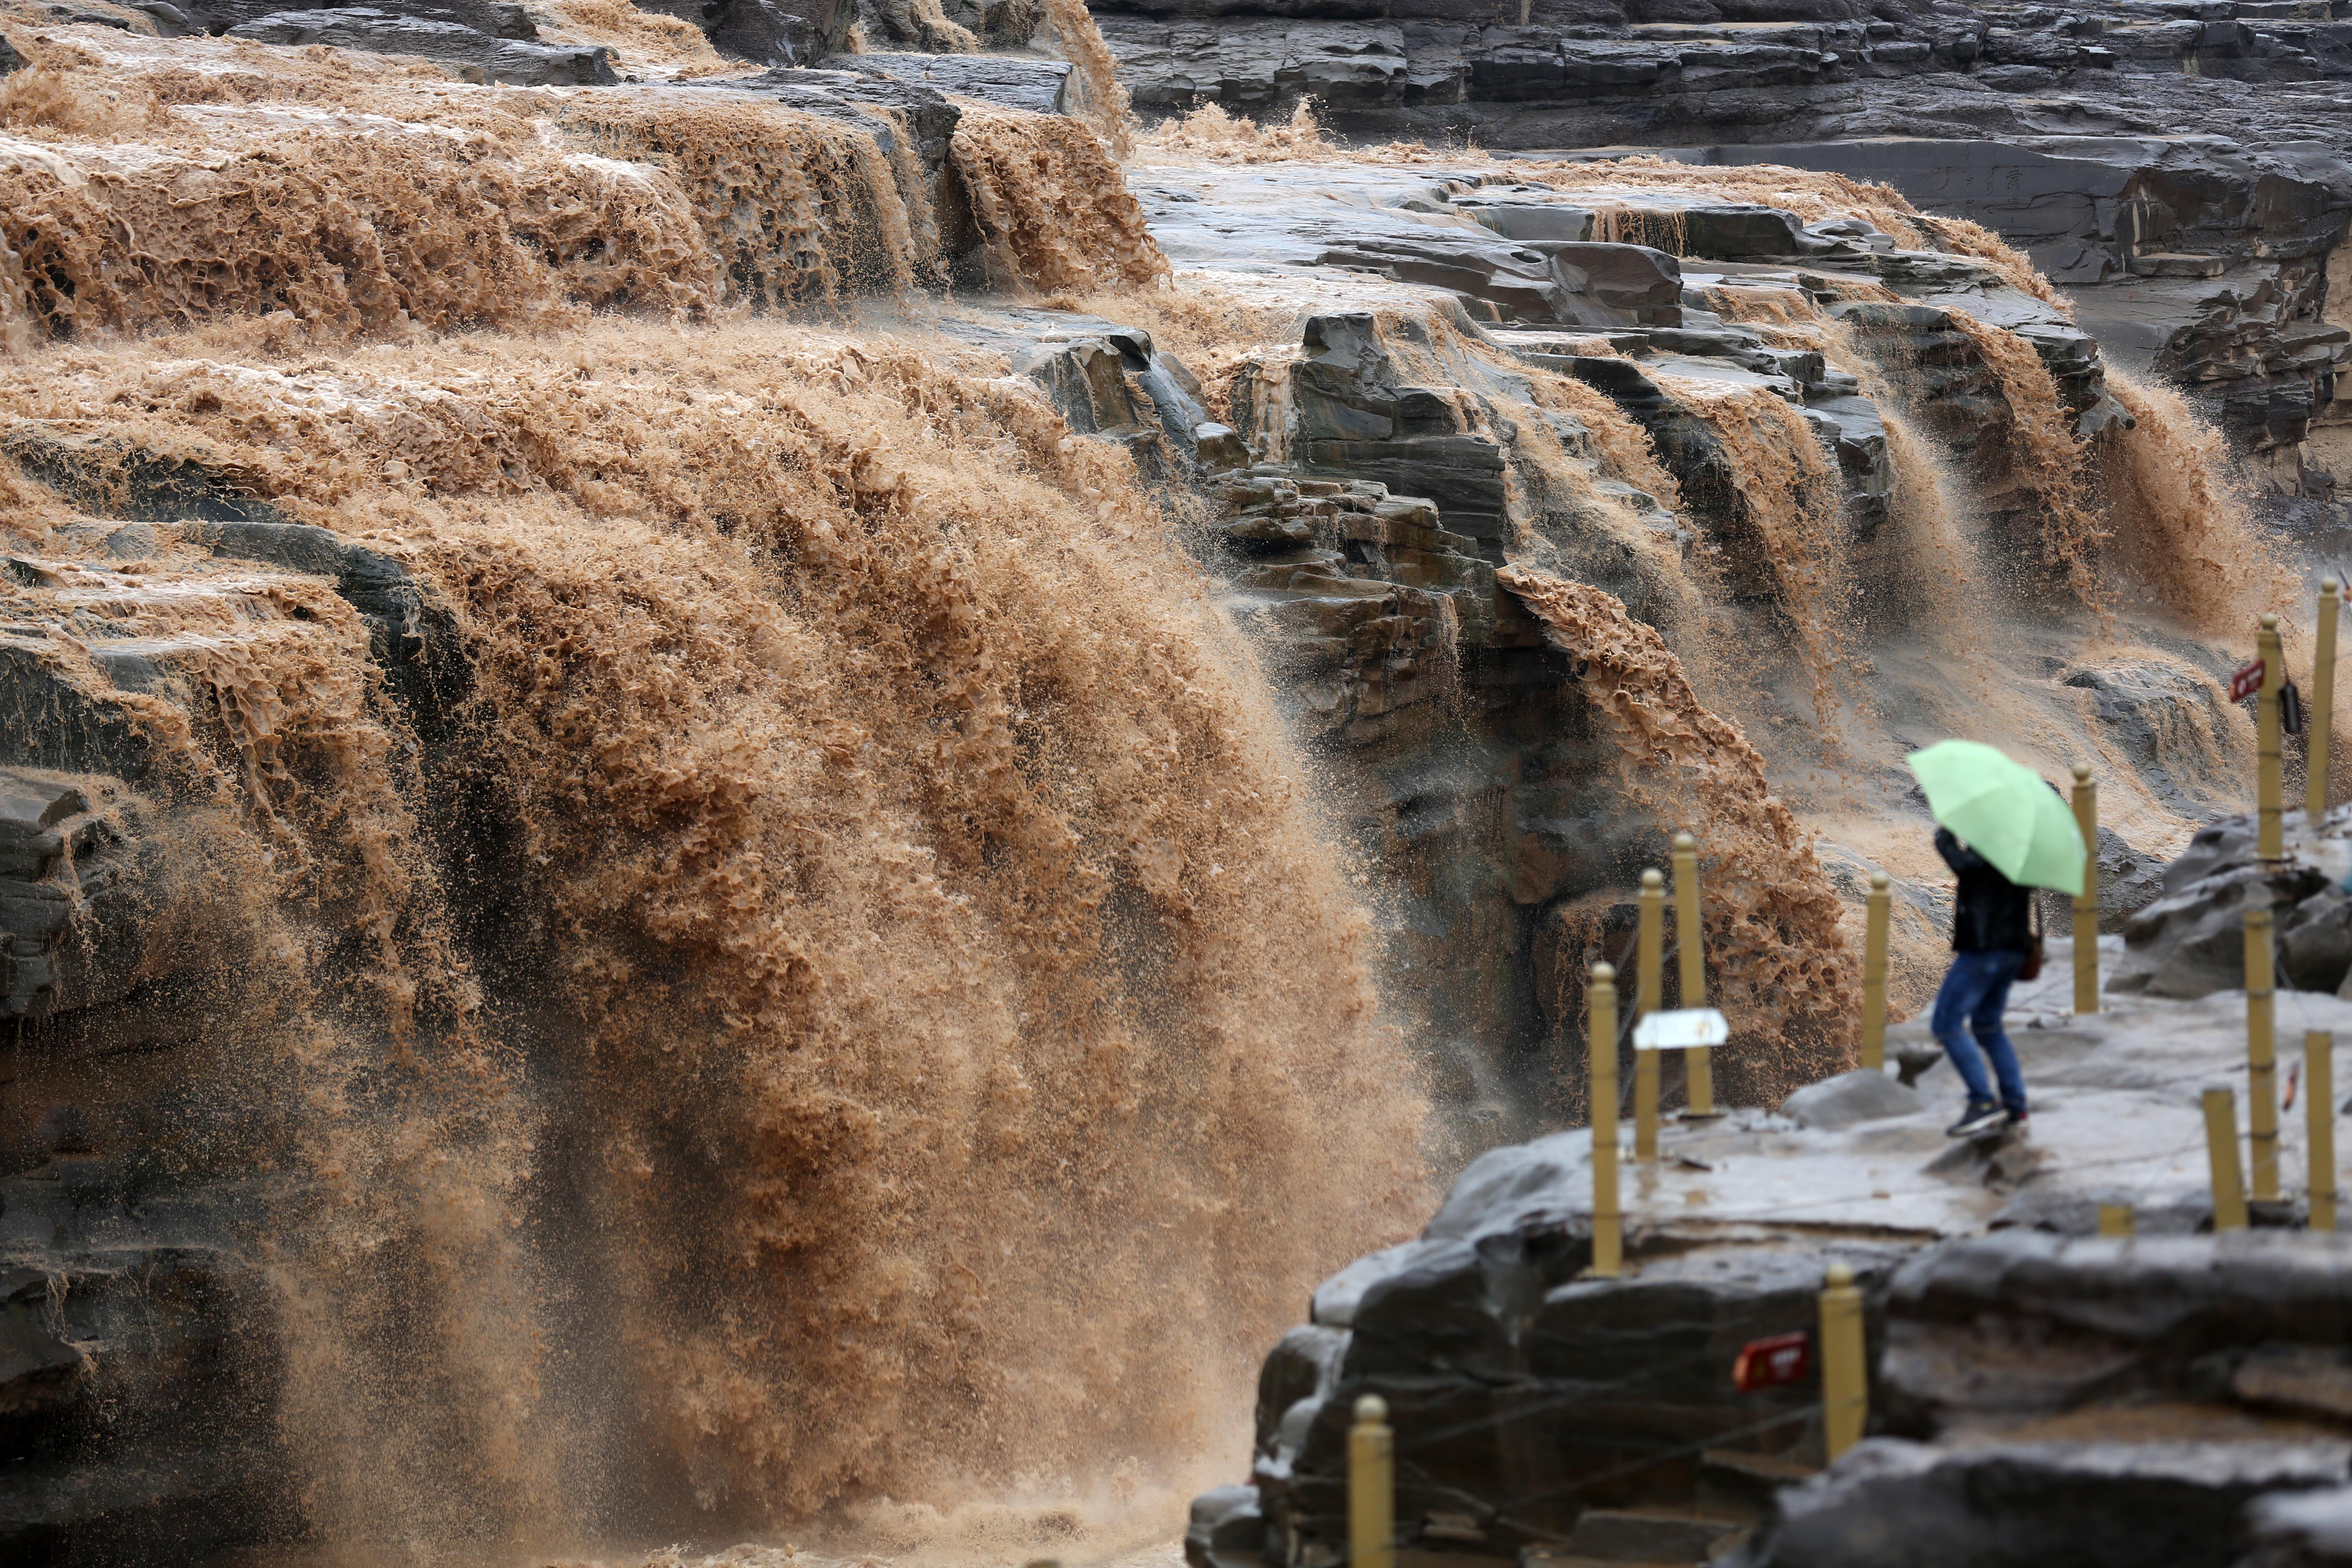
[(1769, 1364), (2247, 682)]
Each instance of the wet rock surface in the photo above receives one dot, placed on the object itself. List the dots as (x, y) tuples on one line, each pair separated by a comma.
[(2056, 1389), (1357, 481), (481, 57), (1890, 1504), (2180, 175), (2190, 941), (2255, 1320)]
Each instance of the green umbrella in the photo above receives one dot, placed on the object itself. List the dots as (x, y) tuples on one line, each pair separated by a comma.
[(2004, 810)]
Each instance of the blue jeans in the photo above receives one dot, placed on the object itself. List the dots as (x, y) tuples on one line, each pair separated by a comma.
[(1975, 989)]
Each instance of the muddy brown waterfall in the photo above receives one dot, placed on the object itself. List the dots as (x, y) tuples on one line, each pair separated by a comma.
[(832, 996), (899, 919), (757, 786)]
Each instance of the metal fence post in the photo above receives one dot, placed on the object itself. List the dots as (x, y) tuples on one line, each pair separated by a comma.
[(2323, 701), (2319, 1119), (2270, 837), (2221, 1153), (1874, 974), (1845, 1371), (2086, 907), (2261, 1056), (1608, 1225), (1371, 1486), (1698, 1062), (1649, 982)]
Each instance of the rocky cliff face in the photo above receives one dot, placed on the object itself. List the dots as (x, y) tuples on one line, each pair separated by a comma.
[(524, 774), (2173, 167)]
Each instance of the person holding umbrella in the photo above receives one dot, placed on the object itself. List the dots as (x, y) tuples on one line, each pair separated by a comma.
[(2004, 831)]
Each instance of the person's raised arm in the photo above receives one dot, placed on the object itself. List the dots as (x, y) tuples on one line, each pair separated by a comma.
[(1957, 854)]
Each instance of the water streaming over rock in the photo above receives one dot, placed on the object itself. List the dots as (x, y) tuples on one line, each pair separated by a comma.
[(1783, 485), (2049, 456), (1101, 101), (827, 997), (886, 865), (1775, 948), (836, 998), (1051, 203)]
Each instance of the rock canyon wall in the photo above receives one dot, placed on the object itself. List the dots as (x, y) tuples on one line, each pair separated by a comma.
[(738, 792)]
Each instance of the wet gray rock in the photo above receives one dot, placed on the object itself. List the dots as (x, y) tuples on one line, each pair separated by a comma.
[(482, 57), (1225, 1530), (2314, 949), (1482, 1334), (71, 904), (885, 108), (779, 34), (2301, 1530), (49, 721), (1015, 82), (2191, 942), (412, 637), (2128, 880), (108, 477), (1890, 1504), (2155, 715), (2181, 270), (2108, 1323), (2181, 175), (1850, 1098), (129, 1364)]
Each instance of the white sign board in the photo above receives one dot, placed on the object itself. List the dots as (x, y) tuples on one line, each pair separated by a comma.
[(1683, 1027)]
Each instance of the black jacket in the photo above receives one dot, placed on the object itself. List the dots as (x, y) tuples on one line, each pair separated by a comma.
[(1992, 915)]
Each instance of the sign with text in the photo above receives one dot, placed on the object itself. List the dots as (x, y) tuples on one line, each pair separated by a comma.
[(2247, 682), (1680, 1029), (1773, 1363)]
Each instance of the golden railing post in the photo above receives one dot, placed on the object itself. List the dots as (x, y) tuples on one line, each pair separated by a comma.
[(1371, 1486), (2262, 1056), (1698, 1062), (2319, 1119), (2116, 1219), (2221, 1153), (2086, 907), (2323, 701), (1845, 1370), (1648, 989), (1874, 974), (1608, 1225), (2270, 837)]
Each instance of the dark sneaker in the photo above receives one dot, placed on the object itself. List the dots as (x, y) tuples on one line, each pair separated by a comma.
[(1979, 1118), (2019, 1121)]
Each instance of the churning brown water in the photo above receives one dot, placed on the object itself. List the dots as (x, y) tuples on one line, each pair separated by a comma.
[(873, 1024), (904, 891), (1771, 918)]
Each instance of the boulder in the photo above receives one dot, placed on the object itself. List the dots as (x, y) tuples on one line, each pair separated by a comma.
[(1615, 285), (1851, 1098), (1891, 1504), (2302, 1529), (1225, 1530), (2191, 942), (2128, 881), (1012, 80), (779, 34), (2021, 1324), (481, 55), (1492, 1348), (1466, 262)]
